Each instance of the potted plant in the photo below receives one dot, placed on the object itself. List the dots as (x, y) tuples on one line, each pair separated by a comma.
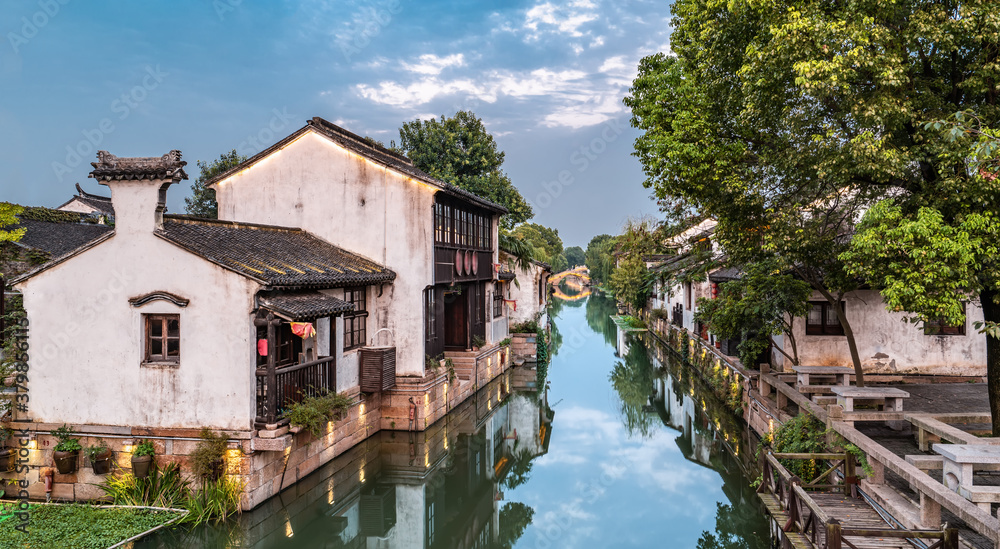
[(100, 457), (478, 343), (67, 450), (6, 454), (142, 458)]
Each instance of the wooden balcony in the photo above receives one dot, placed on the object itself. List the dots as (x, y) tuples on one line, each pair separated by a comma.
[(286, 385)]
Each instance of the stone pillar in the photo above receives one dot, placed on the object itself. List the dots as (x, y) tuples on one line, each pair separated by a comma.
[(930, 512)]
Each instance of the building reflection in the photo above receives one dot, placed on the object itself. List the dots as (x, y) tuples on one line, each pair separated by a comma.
[(441, 488)]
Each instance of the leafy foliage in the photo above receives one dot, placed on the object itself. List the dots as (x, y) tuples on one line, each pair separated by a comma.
[(803, 434), (202, 201), (631, 282), (575, 256), (459, 150), (80, 527), (144, 448), (208, 454), (546, 245), (632, 379), (761, 304), (216, 500), (97, 450), (514, 520), (314, 412), (163, 487), (598, 258), (8, 216), (67, 442)]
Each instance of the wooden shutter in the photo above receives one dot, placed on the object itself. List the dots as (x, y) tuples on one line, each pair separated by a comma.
[(378, 369)]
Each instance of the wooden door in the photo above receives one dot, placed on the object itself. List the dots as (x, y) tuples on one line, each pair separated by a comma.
[(456, 320)]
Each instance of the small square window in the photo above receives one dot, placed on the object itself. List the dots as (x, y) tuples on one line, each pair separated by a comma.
[(162, 338), (941, 328), (822, 319)]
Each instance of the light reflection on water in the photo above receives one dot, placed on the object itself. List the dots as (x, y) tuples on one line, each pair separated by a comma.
[(631, 452)]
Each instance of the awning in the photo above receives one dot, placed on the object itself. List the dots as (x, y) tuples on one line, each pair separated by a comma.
[(300, 306)]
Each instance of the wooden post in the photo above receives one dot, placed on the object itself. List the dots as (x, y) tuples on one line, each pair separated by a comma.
[(833, 535), (850, 476), (950, 538), (272, 376)]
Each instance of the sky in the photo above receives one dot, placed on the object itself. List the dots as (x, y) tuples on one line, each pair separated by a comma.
[(208, 76)]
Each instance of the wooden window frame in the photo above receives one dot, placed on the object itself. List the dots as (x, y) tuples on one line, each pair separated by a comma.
[(825, 329), (356, 322), (497, 299), (936, 328), (164, 357)]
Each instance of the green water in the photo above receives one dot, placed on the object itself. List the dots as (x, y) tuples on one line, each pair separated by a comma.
[(612, 445)]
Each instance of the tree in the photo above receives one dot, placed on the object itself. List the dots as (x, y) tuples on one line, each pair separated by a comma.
[(515, 517), (202, 201), (761, 304), (785, 124), (574, 256), (630, 282), (459, 150), (599, 260), (546, 243), (8, 217)]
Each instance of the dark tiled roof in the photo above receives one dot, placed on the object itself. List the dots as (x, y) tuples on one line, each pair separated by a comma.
[(726, 274), (301, 306), (98, 203), (370, 150), (57, 239), (276, 256), (111, 168)]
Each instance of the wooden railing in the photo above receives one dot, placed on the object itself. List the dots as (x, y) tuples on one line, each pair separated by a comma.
[(290, 384), (807, 517)]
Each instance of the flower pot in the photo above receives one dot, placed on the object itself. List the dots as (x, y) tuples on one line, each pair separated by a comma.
[(141, 465), (66, 461), (102, 463), (7, 459)]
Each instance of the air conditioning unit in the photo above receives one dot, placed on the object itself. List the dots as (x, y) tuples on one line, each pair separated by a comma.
[(378, 369)]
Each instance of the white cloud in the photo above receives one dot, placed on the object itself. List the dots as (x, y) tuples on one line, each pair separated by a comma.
[(566, 19), (433, 65)]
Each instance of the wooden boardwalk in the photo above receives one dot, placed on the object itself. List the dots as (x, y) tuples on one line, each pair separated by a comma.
[(856, 513)]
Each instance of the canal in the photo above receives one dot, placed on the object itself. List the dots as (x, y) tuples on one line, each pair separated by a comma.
[(614, 444)]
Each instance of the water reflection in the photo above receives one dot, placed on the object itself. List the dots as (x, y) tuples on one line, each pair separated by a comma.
[(443, 488)]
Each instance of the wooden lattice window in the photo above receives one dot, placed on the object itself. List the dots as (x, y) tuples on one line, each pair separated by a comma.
[(822, 319), (355, 323), (163, 338), (497, 300)]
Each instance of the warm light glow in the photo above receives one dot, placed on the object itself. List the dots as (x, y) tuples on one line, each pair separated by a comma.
[(329, 497), (361, 473), (427, 457), (489, 404), (362, 409), (770, 425), (126, 448), (32, 444), (288, 529)]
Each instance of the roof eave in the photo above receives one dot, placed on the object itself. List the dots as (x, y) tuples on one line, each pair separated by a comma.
[(61, 259)]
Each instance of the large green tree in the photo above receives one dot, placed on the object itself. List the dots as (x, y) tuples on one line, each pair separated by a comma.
[(574, 256), (460, 151), (546, 243), (8, 217), (202, 202), (599, 260), (761, 304), (785, 122)]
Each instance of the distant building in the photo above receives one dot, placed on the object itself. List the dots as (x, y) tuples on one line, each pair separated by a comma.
[(91, 204)]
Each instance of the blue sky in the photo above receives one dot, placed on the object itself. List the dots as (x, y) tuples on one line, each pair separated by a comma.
[(207, 76)]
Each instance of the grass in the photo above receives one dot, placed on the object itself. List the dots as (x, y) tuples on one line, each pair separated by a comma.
[(629, 323), (79, 526)]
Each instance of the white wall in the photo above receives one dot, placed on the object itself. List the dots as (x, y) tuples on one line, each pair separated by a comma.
[(887, 344), (531, 282), (87, 340), (358, 205)]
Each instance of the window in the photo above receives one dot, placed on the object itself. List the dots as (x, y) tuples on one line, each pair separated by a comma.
[(163, 338), (939, 327), (822, 319), (461, 228), (355, 322), (429, 316), (497, 299)]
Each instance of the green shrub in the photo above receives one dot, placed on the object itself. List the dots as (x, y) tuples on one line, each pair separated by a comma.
[(216, 501), (67, 443), (208, 454), (314, 412), (144, 448), (97, 450), (164, 487), (80, 527), (528, 327)]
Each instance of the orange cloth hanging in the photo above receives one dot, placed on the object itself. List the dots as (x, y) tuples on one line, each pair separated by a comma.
[(304, 330), (262, 347), (512, 303)]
